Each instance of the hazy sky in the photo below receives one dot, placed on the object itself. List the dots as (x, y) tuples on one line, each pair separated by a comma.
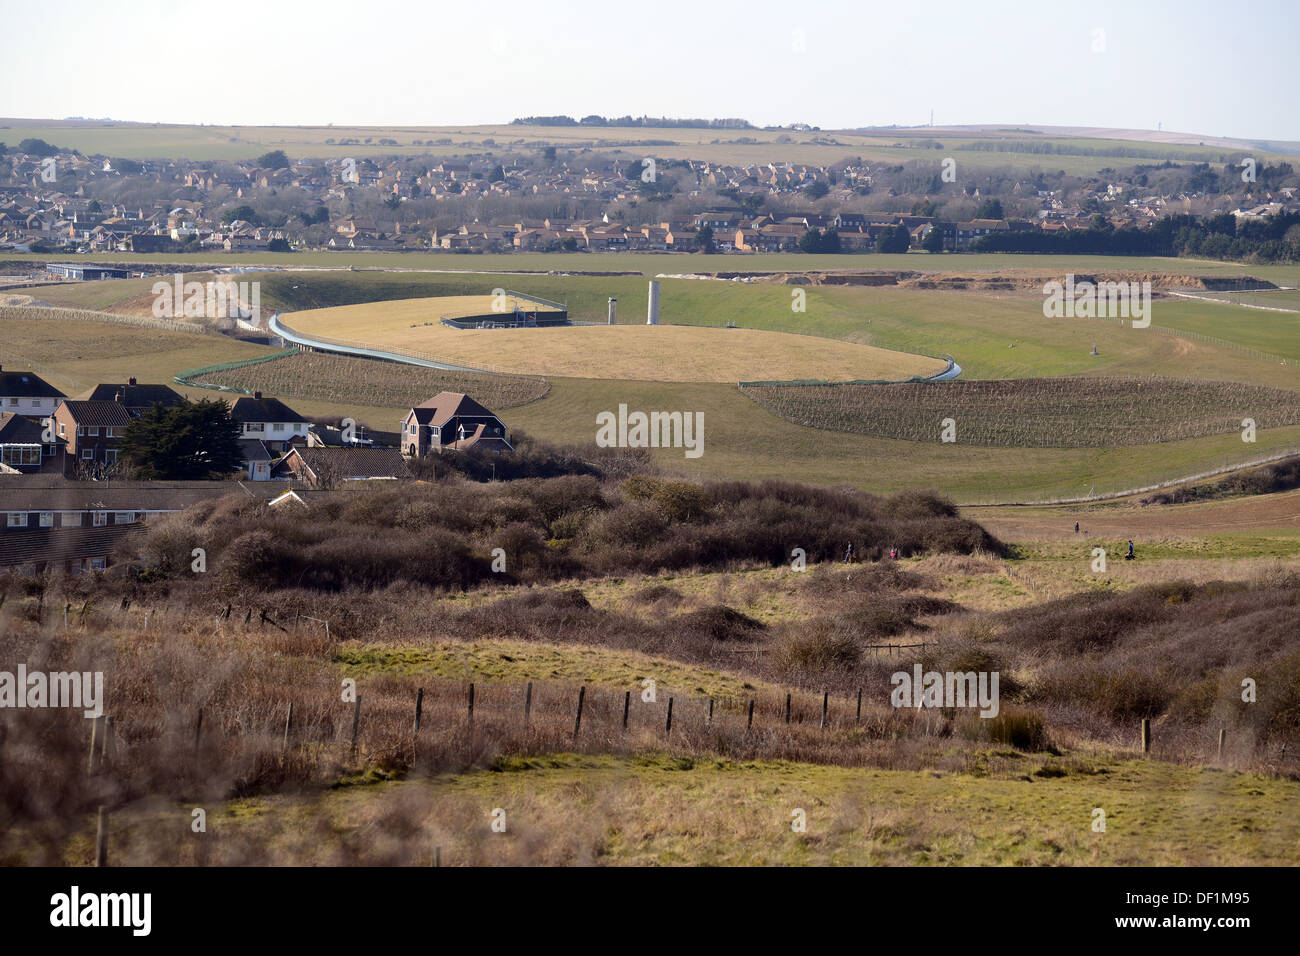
[(1218, 68)]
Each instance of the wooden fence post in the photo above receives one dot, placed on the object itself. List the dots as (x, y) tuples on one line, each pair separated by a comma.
[(1146, 735), (859, 718), (826, 697), (288, 726), (356, 722), (749, 725), (108, 753), (94, 734), (198, 730), (437, 856), (627, 706), (710, 711), (668, 729), (419, 707), (101, 838), (528, 703), (787, 708), (577, 720), (1222, 734), (471, 704)]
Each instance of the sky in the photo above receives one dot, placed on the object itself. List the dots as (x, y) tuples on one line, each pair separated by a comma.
[(1215, 68)]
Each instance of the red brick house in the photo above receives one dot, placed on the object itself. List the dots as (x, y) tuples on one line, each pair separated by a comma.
[(451, 420), (90, 432)]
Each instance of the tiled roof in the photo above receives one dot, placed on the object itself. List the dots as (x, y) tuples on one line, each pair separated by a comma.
[(97, 414), (55, 493), (137, 396), (263, 410), (17, 430), (26, 385), (352, 463), (447, 405), (64, 544)]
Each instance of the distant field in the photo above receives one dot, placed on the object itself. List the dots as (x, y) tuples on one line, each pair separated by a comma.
[(742, 439), (652, 263), (148, 141), (1036, 412), (659, 353), (76, 356), (343, 380)]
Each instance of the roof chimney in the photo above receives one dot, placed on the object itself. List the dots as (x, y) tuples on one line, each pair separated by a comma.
[(131, 380), (258, 396)]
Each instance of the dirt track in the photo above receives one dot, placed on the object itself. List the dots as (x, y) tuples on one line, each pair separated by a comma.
[(1130, 520)]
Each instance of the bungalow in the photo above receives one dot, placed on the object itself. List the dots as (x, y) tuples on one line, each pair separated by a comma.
[(257, 460), (451, 420), (72, 550), (271, 421), (323, 468), (26, 393)]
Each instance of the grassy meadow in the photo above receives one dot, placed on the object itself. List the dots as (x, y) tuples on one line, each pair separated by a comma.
[(740, 146)]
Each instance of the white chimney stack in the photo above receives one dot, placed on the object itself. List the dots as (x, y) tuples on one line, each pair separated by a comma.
[(652, 310), (613, 302)]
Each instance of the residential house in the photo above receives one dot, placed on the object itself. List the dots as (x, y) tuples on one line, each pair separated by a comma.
[(451, 420), (26, 393), (271, 421), (136, 398), (90, 431), (324, 468)]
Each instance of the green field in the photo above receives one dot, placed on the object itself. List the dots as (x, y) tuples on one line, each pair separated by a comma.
[(654, 263), (991, 335), (1003, 808)]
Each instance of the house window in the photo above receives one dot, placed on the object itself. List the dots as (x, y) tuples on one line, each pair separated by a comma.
[(101, 519), (71, 519), (63, 429), (88, 454), (36, 403), (122, 517), (13, 401), (93, 430), (255, 427), (18, 519), (81, 430), (97, 564), (47, 519), (110, 455)]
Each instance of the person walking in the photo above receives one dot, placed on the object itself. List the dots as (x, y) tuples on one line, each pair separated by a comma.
[(1076, 527), (848, 554)]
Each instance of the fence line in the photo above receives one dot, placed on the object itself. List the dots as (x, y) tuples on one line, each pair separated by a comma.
[(185, 378)]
